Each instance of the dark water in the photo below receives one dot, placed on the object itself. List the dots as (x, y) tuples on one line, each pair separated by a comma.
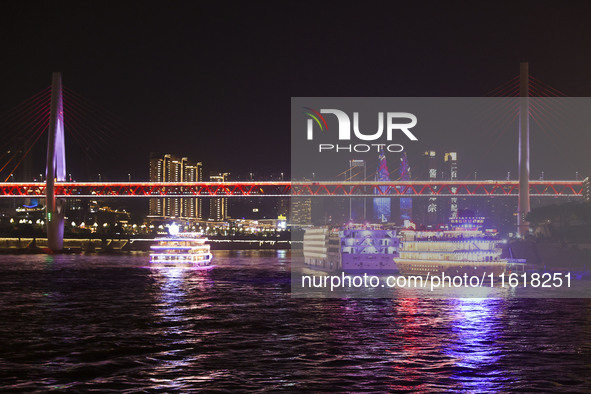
[(81, 323)]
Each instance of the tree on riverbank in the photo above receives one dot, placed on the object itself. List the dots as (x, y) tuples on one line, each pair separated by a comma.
[(568, 222)]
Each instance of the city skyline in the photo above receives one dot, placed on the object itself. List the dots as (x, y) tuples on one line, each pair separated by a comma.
[(171, 82), (333, 196), (214, 144)]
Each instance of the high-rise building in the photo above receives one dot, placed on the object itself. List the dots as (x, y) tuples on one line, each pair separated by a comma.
[(192, 207), (381, 205), (282, 207), (405, 202), (218, 207), (357, 208), (301, 211), (451, 172), (170, 168), (432, 174)]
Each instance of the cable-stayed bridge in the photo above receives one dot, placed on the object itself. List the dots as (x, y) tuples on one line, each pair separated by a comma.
[(56, 189)]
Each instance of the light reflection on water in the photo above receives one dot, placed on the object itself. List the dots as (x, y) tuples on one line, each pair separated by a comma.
[(114, 323), (176, 284), (476, 348)]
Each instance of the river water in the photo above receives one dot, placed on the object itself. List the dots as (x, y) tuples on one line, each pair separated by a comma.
[(111, 323)]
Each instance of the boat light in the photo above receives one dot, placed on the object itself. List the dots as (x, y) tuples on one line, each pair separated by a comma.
[(173, 229)]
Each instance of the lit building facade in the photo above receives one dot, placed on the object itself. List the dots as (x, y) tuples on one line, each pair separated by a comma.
[(450, 162), (218, 207), (382, 205), (437, 210), (301, 211), (432, 174), (405, 202), (282, 207), (170, 168), (587, 189), (357, 206)]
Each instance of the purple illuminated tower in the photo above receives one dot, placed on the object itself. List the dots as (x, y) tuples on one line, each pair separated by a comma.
[(405, 202), (56, 167), (523, 205), (381, 205)]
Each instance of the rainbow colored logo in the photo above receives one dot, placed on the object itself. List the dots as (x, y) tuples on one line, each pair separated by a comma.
[(317, 117)]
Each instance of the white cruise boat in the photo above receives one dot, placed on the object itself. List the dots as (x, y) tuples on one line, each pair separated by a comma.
[(463, 250), (354, 248), (181, 249)]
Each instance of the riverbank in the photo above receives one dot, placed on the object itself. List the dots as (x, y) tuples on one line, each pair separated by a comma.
[(553, 256)]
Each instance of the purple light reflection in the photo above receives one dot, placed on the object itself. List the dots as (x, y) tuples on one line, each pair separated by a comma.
[(476, 350)]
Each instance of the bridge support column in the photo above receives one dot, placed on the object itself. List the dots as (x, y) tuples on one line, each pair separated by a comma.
[(56, 167), (523, 206)]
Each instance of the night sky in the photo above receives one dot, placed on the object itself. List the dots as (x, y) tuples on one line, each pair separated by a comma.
[(214, 82)]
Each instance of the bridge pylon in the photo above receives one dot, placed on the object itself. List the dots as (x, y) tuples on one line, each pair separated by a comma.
[(56, 167), (523, 204)]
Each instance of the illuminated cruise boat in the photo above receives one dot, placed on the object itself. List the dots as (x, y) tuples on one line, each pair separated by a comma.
[(354, 248), (463, 249), (181, 249)]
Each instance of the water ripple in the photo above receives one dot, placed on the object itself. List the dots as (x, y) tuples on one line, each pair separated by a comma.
[(109, 323)]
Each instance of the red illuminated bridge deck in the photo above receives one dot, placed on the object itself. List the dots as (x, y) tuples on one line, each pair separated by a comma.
[(286, 189)]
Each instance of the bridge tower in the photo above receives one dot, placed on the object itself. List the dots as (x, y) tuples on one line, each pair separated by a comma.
[(56, 167), (523, 205)]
